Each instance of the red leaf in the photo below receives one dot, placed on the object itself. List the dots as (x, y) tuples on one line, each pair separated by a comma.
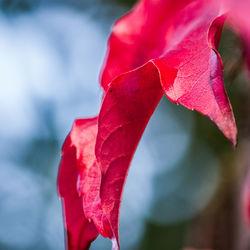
[(161, 46), (176, 35), (126, 109), (143, 34), (79, 231)]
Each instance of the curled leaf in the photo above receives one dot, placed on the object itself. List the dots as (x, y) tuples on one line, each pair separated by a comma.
[(126, 110), (79, 231), (181, 36), (161, 46)]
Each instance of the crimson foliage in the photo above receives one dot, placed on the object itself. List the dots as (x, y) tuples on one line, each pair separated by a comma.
[(161, 47)]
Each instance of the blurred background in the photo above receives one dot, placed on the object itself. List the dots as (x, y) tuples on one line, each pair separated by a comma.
[(185, 182)]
